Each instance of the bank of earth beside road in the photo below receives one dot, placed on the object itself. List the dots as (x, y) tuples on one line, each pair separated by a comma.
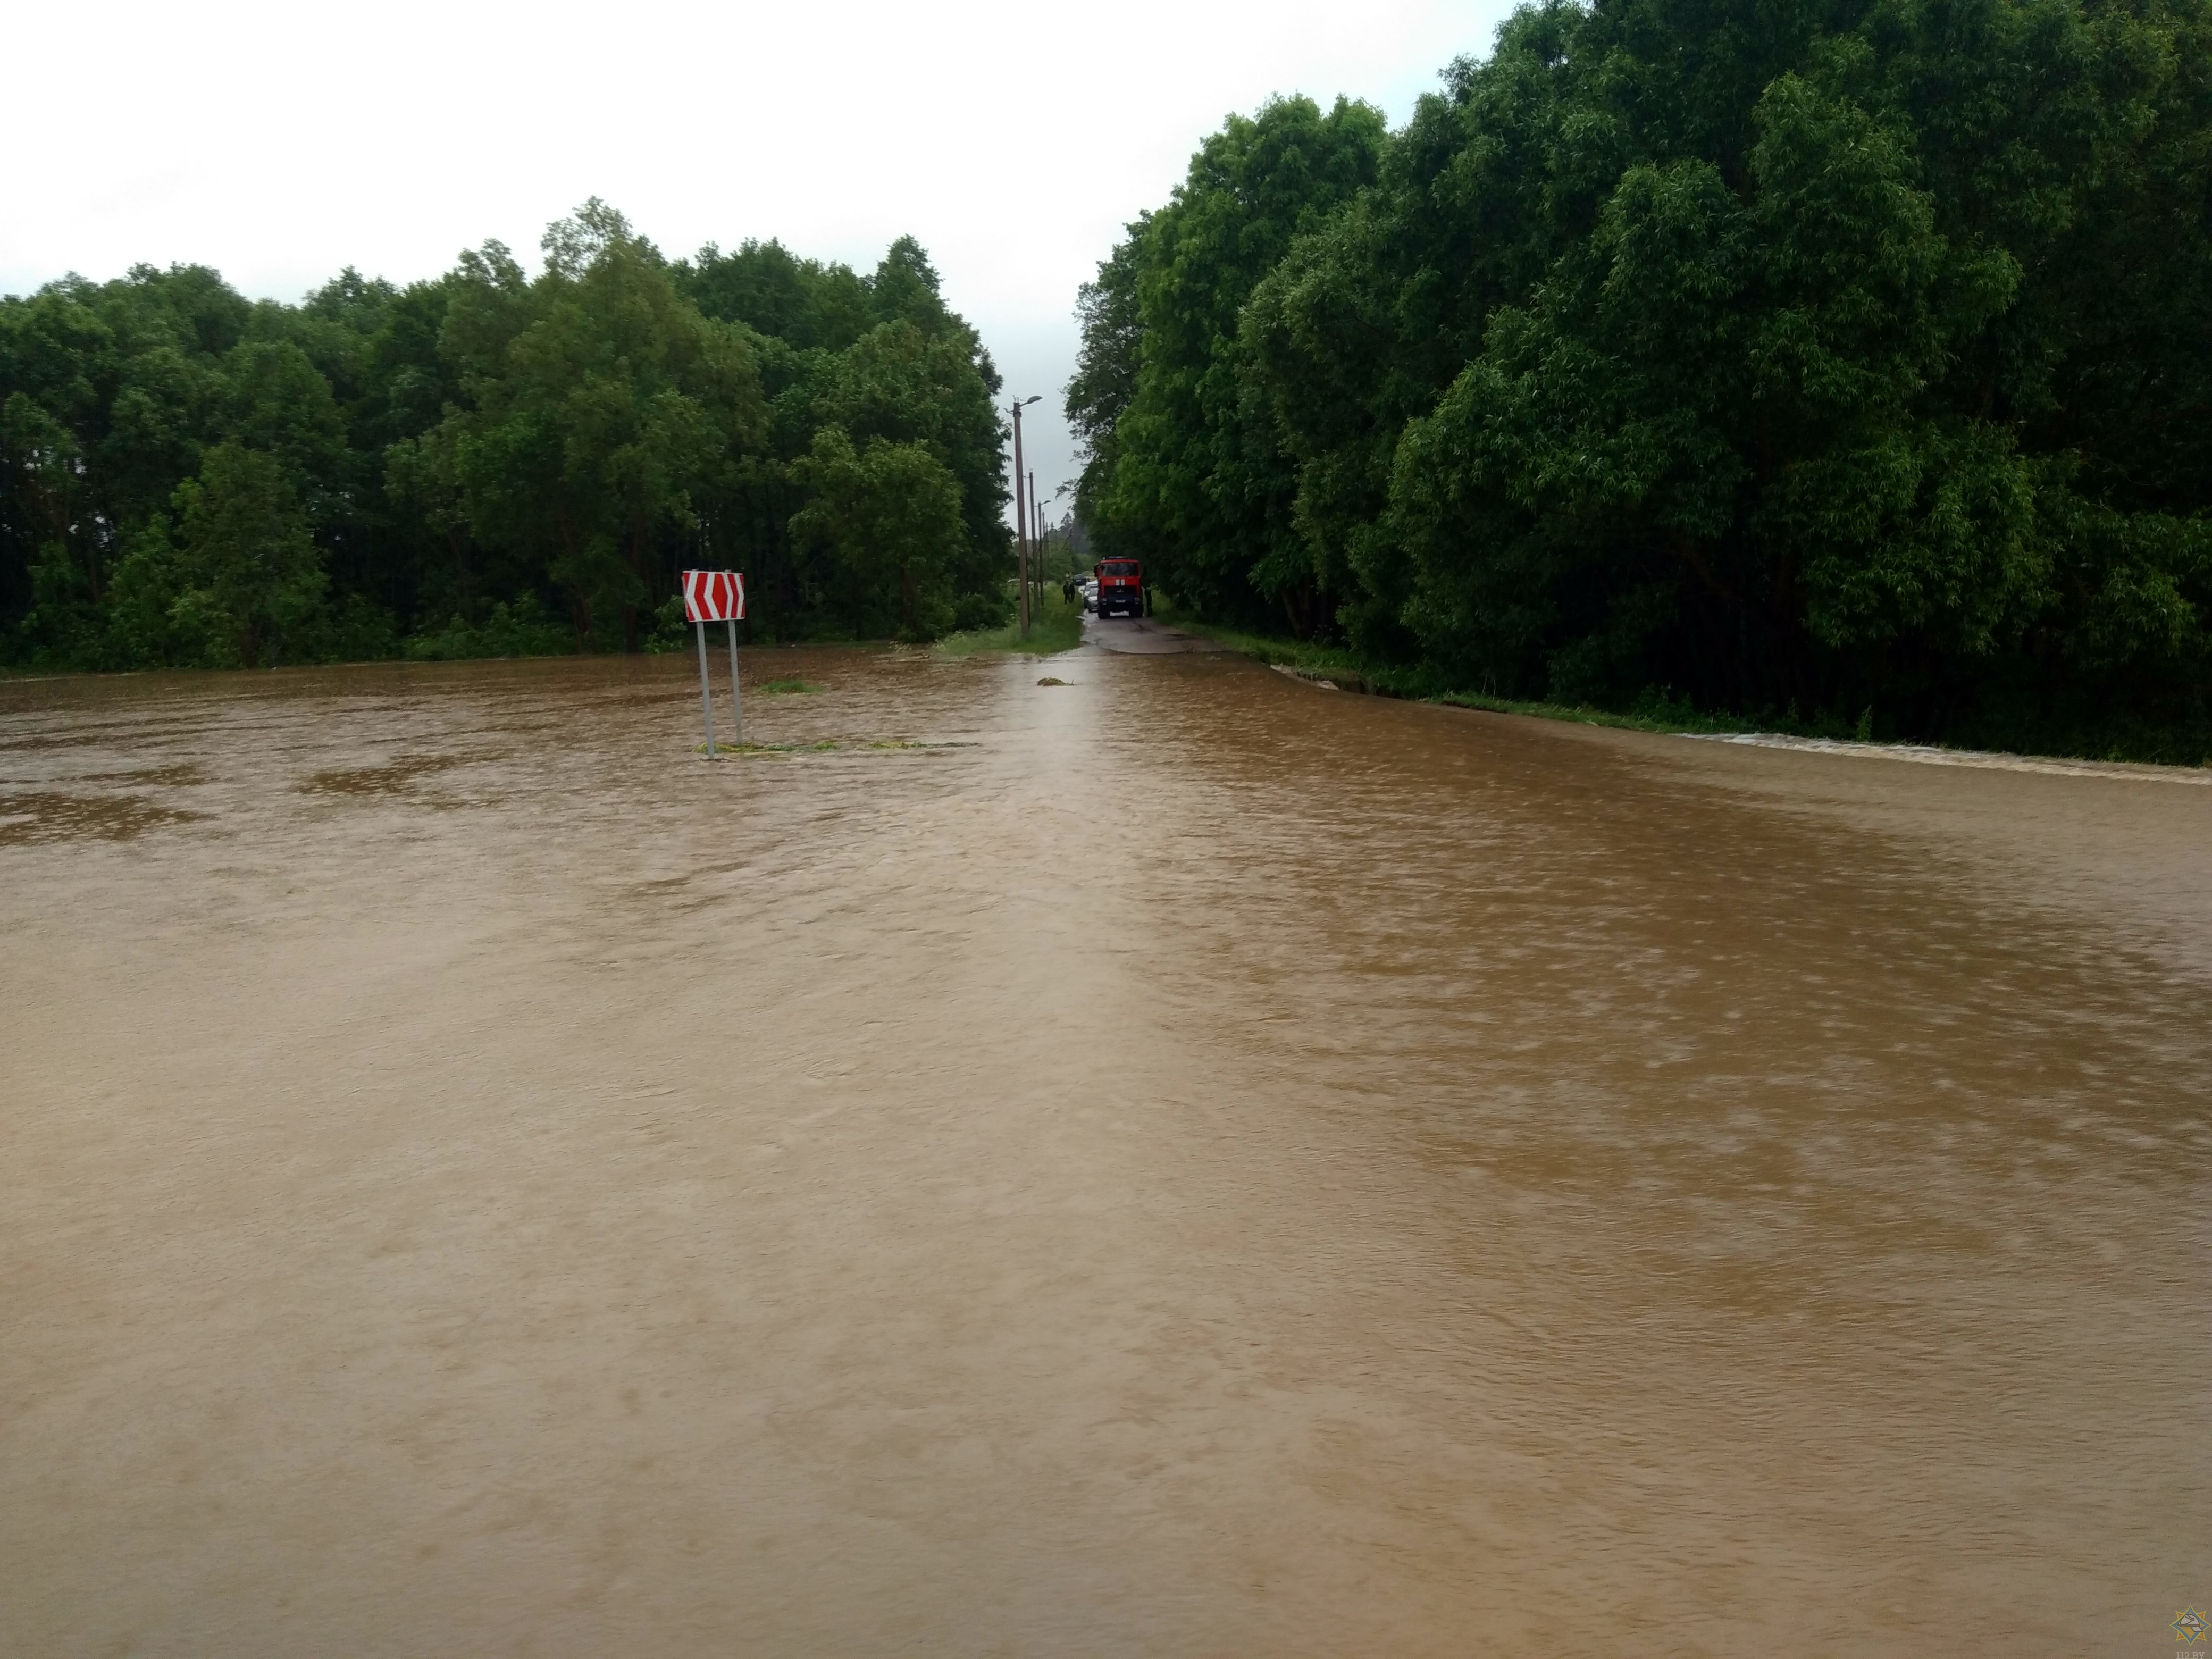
[(1346, 670)]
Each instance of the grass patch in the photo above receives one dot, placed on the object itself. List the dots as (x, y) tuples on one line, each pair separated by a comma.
[(789, 685), (1658, 716), (1057, 627)]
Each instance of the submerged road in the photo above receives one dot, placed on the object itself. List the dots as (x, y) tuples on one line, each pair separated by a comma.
[(1138, 636), (1177, 1163)]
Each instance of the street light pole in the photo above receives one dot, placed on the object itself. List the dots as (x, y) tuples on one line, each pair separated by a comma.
[(1044, 525), (1021, 518)]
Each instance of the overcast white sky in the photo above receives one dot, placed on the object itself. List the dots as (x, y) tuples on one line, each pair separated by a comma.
[(281, 142)]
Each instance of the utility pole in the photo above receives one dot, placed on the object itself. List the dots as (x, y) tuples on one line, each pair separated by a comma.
[(1036, 526), (1021, 516)]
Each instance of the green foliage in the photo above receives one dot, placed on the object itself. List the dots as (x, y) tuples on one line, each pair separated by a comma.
[(234, 582), (1853, 356), (809, 304), (522, 628), (881, 359), (492, 463), (1196, 463), (887, 514), (600, 404)]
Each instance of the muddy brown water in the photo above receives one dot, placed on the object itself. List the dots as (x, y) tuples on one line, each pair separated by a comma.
[(1197, 1164)]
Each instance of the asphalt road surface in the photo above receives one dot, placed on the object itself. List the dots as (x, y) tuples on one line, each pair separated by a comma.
[(1140, 637)]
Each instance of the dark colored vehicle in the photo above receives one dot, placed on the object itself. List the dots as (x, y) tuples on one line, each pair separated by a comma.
[(1121, 587)]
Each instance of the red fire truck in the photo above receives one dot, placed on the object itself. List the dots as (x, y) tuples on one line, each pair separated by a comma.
[(1121, 587)]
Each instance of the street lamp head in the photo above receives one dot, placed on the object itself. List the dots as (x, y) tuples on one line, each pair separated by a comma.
[(1026, 402)]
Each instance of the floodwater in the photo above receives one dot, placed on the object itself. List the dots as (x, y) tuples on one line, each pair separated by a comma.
[(1180, 1163)]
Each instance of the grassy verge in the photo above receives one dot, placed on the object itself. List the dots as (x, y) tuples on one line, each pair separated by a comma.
[(1654, 711), (1683, 719), (1059, 626), (1350, 672)]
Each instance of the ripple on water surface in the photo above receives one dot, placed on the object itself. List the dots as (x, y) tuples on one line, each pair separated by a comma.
[(1175, 1161)]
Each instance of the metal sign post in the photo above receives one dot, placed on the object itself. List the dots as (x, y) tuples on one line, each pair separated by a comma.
[(716, 596), (705, 697), (738, 711)]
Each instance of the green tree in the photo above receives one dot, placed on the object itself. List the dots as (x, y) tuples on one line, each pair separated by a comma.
[(1200, 484), (889, 515), (1105, 379), (470, 452), (1803, 357), (806, 303), (596, 403), (234, 581)]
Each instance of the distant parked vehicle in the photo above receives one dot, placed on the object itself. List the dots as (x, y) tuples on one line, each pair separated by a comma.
[(1121, 587), (1087, 590)]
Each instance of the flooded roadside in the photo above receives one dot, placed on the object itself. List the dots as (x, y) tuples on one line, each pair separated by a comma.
[(1207, 1167)]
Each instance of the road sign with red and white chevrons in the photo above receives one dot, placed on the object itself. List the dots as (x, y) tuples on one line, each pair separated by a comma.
[(714, 596)]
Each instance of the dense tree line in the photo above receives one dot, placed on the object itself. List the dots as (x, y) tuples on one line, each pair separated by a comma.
[(1788, 356), (490, 462)]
